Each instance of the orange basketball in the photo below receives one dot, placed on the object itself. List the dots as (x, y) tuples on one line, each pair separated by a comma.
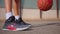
[(45, 5)]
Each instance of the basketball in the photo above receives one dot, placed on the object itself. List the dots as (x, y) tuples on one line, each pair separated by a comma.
[(45, 5)]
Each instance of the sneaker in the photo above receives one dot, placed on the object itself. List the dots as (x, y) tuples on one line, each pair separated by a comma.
[(19, 25), (8, 22)]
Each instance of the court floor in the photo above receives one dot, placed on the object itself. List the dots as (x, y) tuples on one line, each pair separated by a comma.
[(38, 27)]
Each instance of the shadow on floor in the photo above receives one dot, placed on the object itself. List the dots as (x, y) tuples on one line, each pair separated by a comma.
[(48, 24)]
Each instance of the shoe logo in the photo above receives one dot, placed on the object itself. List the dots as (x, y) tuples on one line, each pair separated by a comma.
[(12, 26)]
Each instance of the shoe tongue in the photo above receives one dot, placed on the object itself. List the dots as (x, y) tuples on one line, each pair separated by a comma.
[(11, 18)]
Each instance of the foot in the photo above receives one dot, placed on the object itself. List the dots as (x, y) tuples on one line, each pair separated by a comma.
[(8, 22), (19, 25)]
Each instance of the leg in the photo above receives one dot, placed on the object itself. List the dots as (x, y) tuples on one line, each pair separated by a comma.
[(8, 7), (9, 16), (16, 8)]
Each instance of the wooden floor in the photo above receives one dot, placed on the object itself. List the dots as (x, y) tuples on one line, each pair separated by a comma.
[(38, 27)]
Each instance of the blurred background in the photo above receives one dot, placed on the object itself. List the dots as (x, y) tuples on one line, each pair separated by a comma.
[(30, 10)]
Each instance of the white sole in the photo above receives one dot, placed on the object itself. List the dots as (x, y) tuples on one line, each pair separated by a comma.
[(4, 29)]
